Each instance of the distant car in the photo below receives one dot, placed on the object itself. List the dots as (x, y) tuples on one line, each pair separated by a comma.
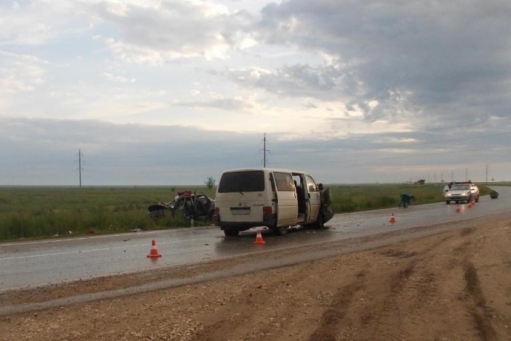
[(192, 206), (462, 192)]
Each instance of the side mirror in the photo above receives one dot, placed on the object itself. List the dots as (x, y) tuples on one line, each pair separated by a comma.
[(320, 187)]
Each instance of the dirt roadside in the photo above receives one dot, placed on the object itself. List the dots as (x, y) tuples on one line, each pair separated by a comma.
[(450, 286)]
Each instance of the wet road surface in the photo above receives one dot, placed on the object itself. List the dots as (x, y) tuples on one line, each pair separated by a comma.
[(29, 264)]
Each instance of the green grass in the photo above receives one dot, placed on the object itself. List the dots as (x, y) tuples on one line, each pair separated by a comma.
[(354, 198), (40, 212)]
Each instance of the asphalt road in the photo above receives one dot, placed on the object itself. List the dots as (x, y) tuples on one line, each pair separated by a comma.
[(29, 264)]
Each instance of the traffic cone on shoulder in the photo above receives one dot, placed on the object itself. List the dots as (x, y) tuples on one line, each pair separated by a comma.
[(458, 208), (154, 251), (392, 219), (470, 204), (259, 238)]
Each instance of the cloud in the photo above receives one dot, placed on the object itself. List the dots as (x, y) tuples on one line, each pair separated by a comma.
[(347, 88), (321, 82), (229, 104), (117, 154), (410, 57), (158, 32), (20, 73), (38, 21), (127, 154), (119, 79)]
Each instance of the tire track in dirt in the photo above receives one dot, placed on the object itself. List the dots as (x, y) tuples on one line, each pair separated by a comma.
[(334, 315), (232, 316), (333, 319), (479, 310), (385, 314), (348, 319), (259, 306)]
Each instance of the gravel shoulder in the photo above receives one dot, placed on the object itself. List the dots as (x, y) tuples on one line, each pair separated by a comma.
[(453, 285)]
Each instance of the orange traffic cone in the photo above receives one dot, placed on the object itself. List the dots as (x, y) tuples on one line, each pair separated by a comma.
[(259, 238), (458, 209), (392, 218), (470, 204), (154, 251)]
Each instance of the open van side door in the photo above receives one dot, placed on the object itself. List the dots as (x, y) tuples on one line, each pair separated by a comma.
[(287, 204), (314, 199)]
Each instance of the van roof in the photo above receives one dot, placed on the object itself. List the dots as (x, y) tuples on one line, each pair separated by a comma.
[(266, 169)]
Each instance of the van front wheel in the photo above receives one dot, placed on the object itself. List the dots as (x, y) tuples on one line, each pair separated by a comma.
[(319, 224)]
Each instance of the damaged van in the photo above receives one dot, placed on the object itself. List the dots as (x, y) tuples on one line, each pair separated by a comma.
[(275, 198)]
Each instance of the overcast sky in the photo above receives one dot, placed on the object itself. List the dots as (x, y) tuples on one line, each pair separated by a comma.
[(171, 92)]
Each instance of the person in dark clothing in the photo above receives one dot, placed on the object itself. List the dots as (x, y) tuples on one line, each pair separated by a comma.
[(405, 200)]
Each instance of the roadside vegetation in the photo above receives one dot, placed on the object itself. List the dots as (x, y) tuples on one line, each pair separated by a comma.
[(41, 212), (354, 198)]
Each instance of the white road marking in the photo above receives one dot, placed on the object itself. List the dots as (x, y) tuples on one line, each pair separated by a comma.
[(49, 241), (100, 249)]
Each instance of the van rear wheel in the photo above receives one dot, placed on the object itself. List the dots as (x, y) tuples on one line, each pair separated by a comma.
[(231, 233), (280, 231)]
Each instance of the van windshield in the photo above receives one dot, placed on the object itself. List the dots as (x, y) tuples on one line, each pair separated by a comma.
[(243, 181)]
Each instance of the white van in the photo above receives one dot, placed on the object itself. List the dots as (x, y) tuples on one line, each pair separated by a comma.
[(276, 198)]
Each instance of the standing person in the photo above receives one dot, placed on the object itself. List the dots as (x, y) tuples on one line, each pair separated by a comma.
[(450, 185), (447, 188), (405, 200)]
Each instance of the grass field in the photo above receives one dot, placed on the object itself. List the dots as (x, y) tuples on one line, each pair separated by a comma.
[(39, 212)]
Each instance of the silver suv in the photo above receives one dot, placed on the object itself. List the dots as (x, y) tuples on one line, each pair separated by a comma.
[(462, 191)]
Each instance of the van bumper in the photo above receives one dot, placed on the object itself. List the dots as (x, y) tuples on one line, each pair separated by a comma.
[(242, 226)]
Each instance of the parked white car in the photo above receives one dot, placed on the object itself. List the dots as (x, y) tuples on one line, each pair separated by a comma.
[(462, 192)]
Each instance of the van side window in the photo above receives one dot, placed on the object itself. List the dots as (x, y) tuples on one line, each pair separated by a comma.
[(311, 185), (284, 182)]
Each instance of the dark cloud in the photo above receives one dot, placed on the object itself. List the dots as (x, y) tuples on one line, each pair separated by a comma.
[(435, 56), (321, 82), (45, 152)]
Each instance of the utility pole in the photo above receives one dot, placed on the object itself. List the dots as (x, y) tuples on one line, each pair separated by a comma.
[(487, 174), (80, 166), (452, 176), (264, 150), (466, 174)]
